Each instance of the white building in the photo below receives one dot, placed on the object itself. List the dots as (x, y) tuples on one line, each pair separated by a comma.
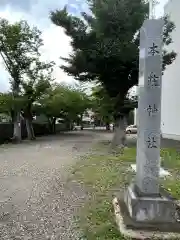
[(88, 117), (170, 103)]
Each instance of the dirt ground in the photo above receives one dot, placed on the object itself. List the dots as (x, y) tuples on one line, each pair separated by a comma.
[(35, 200)]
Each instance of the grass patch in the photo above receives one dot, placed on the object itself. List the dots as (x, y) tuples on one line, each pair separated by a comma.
[(104, 175), (170, 158), (171, 161)]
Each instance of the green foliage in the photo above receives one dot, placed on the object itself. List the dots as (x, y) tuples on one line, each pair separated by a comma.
[(36, 84), (20, 50), (106, 45), (32, 85), (9, 104), (171, 161), (19, 47), (6, 103), (63, 102), (102, 104), (101, 174)]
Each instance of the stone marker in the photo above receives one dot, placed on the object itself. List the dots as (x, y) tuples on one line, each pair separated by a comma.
[(162, 173), (149, 108), (148, 211), (144, 200)]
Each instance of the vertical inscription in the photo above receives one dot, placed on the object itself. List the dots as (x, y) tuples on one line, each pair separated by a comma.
[(152, 109), (151, 141), (153, 50), (153, 80)]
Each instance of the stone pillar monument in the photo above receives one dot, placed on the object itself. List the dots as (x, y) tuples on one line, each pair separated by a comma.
[(149, 108), (145, 201)]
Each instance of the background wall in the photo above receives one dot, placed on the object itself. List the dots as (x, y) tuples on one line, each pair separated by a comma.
[(6, 130)]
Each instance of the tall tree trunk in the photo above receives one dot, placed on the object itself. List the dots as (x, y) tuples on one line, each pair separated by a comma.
[(119, 138), (28, 120), (16, 113), (54, 125), (107, 126), (17, 128), (82, 125), (29, 128), (12, 115)]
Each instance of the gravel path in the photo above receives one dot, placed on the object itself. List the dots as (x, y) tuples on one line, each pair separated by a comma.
[(36, 202)]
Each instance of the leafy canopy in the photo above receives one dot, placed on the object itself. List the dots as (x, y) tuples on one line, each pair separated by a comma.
[(62, 101), (19, 48), (106, 44)]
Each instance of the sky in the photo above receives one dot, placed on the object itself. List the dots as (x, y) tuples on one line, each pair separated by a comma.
[(56, 43)]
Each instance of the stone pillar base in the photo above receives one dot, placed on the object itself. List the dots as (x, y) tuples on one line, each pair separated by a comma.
[(149, 210), (142, 230)]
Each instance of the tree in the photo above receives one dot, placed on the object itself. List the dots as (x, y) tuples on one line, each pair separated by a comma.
[(63, 102), (102, 106), (106, 49), (6, 104), (19, 47), (37, 83), (79, 105)]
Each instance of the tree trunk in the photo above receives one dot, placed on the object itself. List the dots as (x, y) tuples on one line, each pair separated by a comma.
[(82, 125), (28, 120), (17, 128), (30, 130), (12, 115), (16, 112), (54, 125), (119, 138), (107, 126)]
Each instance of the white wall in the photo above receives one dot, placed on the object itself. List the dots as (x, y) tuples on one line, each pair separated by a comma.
[(170, 112)]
